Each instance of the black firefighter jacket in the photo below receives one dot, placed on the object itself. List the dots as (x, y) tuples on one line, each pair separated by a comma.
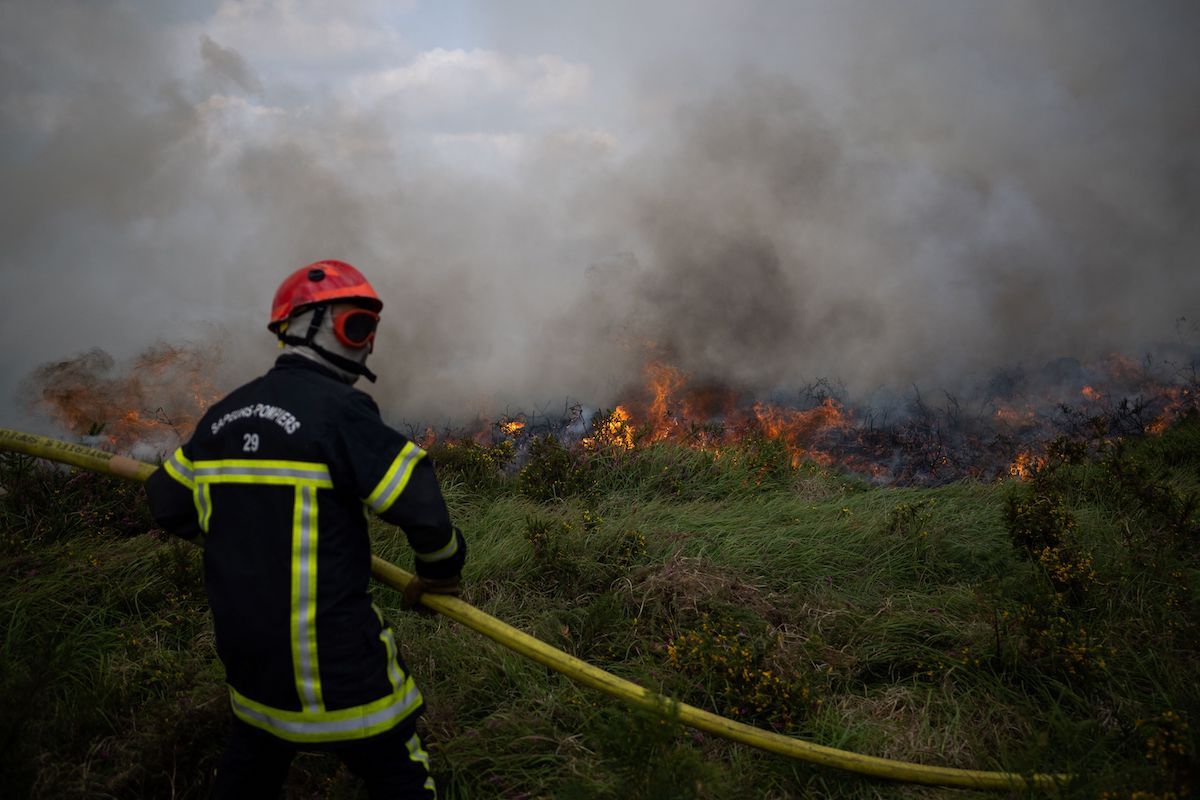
[(276, 483)]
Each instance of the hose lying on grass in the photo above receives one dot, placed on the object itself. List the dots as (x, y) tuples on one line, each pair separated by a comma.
[(580, 671)]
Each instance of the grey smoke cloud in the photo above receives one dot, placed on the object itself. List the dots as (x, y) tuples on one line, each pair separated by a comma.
[(989, 191), (228, 65), (879, 194)]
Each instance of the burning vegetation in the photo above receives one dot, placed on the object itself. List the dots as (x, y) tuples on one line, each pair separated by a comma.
[(1005, 430), (153, 402), (672, 408), (149, 404)]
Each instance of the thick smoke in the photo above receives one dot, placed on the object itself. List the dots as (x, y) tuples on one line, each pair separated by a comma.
[(1011, 200), (876, 194)]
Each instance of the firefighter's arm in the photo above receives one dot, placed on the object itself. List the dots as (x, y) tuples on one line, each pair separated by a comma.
[(397, 482), (420, 511), (440, 548), (171, 500)]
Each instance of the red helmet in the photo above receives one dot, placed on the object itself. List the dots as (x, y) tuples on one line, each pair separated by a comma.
[(321, 282)]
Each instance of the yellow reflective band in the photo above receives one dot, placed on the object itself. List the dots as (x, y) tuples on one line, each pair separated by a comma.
[(395, 479), (203, 500), (304, 600), (180, 468), (443, 553), (395, 675), (263, 471), (417, 754), (357, 722)]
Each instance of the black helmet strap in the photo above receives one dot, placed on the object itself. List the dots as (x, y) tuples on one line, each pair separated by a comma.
[(307, 340)]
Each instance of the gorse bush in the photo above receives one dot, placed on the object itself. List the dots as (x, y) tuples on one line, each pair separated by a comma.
[(1038, 521), (543, 534), (767, 461), (1042, 528), (1054, 641), (475, 467), (550, 471), (1169, 741), (730, 668), (1145, 487), (910, 519), (625, 549)]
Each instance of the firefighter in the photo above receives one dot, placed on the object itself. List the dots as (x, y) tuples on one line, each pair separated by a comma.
[(275, 484)]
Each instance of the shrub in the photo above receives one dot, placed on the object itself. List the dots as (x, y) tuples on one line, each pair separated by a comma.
[(628, 549), (909, 519), (1056, 642), (1137, 481), (729, 664), (550, 473), (479, 468), (1038, 521)]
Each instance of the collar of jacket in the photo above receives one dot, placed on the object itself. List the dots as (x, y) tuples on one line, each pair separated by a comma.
[(293, 361)]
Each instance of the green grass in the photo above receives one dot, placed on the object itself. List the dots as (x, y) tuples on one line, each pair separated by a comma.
[(927, 625)]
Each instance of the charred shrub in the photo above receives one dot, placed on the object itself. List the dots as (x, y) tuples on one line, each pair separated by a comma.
[(1068, 451)]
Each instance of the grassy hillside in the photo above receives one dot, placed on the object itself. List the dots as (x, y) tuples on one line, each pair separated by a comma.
[(1043, 625)]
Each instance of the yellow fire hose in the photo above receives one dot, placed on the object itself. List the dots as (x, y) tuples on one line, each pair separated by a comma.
[(581, 671)]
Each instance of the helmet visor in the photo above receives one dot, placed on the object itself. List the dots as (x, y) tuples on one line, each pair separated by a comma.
[(356, 327)]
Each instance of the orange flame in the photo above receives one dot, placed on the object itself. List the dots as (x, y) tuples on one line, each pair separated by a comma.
[(709, 417), (610, 430), (664, 382), (798, 429), (511, 427), (1178, 400), (428, 438), (1025, 465)]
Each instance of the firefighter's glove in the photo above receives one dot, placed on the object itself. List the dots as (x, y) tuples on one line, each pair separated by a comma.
[(418, 586)]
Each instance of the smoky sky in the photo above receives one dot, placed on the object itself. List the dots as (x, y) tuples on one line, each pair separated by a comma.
[(546, 195)]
